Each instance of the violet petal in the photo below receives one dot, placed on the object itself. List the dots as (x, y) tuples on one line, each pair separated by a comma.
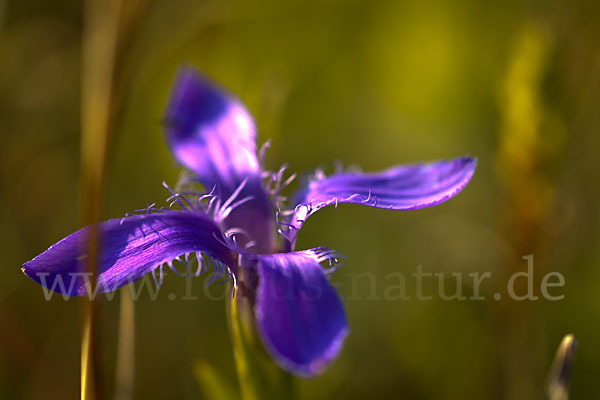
[(299, 315), (404, 187), (130, 248)]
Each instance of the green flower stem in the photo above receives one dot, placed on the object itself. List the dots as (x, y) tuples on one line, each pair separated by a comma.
[(259, 377)]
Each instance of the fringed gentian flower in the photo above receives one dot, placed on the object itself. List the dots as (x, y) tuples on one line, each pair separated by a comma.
[(297, 312)]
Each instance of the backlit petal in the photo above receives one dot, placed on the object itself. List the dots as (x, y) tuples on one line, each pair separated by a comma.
[(211, 132), (130, 248), (404, 187), (299, 315)]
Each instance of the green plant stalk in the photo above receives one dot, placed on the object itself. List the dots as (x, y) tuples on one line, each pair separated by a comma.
[(98, 54), (126, 347), (110, 28), (259, 377)]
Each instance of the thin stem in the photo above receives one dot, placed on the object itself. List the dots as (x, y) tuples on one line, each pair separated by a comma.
[(90, 373), (259, 377), (109, 30), (98, 55), (126, 347)]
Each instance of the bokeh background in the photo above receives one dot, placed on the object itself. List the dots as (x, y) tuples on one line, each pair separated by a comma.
[(376, 83)]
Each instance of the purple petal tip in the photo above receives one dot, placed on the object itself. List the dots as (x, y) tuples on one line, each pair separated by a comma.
[(299, 315)]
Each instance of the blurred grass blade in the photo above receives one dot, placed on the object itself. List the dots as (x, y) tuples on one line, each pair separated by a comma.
[(109, 28), (89, 381), (99, 43), (126, 347), (259, 377), (212, 384), (560, 373)]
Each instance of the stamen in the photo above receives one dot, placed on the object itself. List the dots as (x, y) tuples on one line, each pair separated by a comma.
[(213, 205), (290, 179), (262, 153), (177, 198), (225, 212), (229, 242), (147, 209), (200, 264), (158, 281), (280, 213), (174, 269), (221, 273), (209, 195), (234, 194)]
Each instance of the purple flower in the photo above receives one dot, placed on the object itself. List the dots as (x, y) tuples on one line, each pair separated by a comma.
[(298, 314)]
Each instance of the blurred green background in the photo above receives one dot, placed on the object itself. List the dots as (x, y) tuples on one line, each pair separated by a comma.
[(376, 83)]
